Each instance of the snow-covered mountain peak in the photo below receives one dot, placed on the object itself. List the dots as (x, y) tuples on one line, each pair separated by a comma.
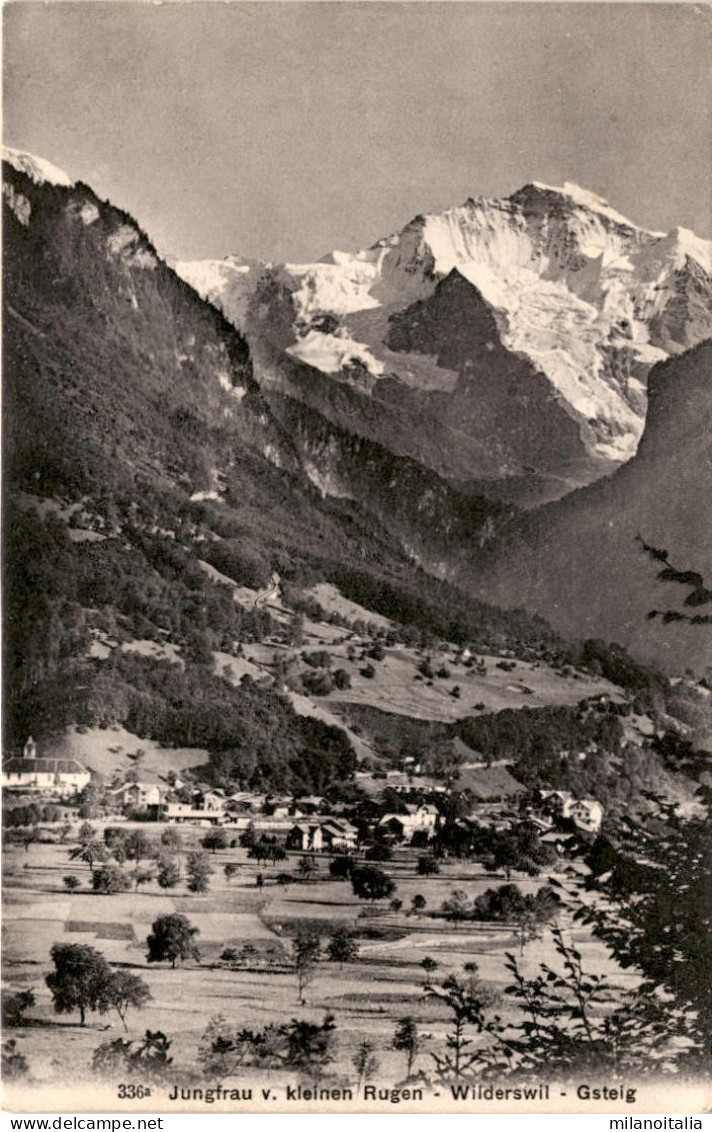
[(589, 299), (573, 194), (37, 168)]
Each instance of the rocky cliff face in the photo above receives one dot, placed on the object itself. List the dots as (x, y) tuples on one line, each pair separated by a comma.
[(548, 301), (577, 561)]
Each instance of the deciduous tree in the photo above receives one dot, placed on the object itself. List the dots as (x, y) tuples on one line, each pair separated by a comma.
[(80, 980), (172, 939), (371, 883), (127, 990), (306, 951)]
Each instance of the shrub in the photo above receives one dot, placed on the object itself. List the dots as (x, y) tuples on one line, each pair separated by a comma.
[(14, 1005), (14, 1064)]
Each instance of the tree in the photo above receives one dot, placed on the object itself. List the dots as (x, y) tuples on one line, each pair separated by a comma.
[(505, 854), (699, 594), (261, 849), (406, 1039), (429, 964), (139, 847), (91, 852), (215, 839), (230, 870), (418, 904), (527, 928), (310, 1046), (371, 883), (168, 875), (80, 980), (85, 833), (379, 852), (171, 840), (147, 1060), (110, 879), (126, 990), (364, 1062), (172, 938), (342, 947), (457, 906), (142, 876), (427, 866), (306, 867), (574, 1022), (30, 836), (223, 1048), (296, 630), (199, 871), (305, 951), (71, 882), (341, 867), (657, 917), (466, 1000)]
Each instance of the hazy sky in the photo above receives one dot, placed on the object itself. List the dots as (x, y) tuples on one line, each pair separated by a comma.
[(282, 130)]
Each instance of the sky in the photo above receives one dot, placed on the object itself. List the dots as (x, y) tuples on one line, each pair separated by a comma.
[(284, 130)]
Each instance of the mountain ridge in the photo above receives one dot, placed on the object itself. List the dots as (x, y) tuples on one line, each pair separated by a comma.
[(585, 297)]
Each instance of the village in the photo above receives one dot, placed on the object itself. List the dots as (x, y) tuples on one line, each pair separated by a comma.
[(307, 823), (430, 861), (253, 874)]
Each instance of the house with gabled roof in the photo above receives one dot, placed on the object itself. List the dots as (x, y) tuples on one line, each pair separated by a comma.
[(305, 836), (337, 833), (32, 772)]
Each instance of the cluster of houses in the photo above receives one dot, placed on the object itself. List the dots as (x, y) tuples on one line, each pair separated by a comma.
[(308, 823)]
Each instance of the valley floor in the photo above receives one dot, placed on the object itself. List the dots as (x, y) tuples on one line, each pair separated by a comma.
[(367, 997)]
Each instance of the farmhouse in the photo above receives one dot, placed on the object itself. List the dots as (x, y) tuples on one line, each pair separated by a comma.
[(137, 795), (339, 834), (333, 833), (62, 777), (304, 835), (245, 802), (585, 813), (416, 818)]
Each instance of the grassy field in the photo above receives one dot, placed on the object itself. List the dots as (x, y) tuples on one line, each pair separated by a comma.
[(367, 997)]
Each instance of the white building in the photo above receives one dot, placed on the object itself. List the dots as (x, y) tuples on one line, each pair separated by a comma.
[(62, 777), (585, 813), (138, 795), (415, 819)]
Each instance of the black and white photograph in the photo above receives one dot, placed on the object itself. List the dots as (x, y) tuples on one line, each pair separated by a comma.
[(357, 558)]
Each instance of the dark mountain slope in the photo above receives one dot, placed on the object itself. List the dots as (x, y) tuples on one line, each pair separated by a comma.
[(116, 362), (577, 562), (130, 404)]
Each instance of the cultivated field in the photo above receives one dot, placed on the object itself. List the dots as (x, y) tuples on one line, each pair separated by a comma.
[(367, 996)]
